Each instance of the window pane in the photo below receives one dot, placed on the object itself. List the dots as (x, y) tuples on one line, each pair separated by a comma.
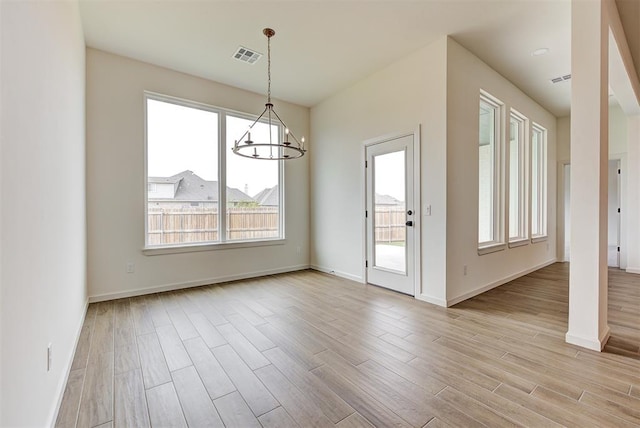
[(389, 220), (535, 185), (253, 193), (516, 178), (486, 167), (182, 168), (538, 183)]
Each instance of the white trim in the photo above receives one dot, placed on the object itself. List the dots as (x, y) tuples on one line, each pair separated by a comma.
[(344, 275), (594, 345), (62, 384), (498, 217), (473, 293), (523, 183), (491, 248), (191, 284), (537, 239), (543, 181), (518, 243), (186, 248), (433, 300), (222, 114), (634, 270)]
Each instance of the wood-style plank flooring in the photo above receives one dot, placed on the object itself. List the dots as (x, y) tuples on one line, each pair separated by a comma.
[(309, 349)]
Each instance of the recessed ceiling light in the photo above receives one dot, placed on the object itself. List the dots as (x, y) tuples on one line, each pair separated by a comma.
[(540, 52)]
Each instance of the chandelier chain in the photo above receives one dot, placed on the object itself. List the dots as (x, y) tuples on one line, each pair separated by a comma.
[(269, 69)]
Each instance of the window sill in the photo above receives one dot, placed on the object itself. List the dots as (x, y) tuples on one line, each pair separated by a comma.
[(518, 243), (537, 239), (491, 248), (177, 249)]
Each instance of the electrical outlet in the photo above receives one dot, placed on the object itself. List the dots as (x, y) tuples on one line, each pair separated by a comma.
[(49, 356), (131, 267), (427, 210), (464, 270)]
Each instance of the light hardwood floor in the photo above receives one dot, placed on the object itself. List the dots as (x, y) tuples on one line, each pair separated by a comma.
[(309, 349)]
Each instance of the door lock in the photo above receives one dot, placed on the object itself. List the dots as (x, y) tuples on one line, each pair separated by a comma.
[(409, 223)]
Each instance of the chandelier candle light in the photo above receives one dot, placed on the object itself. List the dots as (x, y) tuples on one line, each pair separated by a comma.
[(290, 148)]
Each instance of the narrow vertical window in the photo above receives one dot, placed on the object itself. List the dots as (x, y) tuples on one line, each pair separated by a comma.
[(517, 181), (538, 182), (489, 186)]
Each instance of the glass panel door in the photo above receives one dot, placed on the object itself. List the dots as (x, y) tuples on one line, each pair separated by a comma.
[(391, 215)]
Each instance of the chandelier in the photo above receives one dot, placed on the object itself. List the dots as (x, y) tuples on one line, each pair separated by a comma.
[(290, 148)]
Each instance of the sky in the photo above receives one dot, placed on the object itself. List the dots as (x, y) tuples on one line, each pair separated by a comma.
[(184, 138), (389, 174)]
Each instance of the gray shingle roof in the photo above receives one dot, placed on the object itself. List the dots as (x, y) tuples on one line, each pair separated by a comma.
[(193, 188), (268, 197), (387, 200)]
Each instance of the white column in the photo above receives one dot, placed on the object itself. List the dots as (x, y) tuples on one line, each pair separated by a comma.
[(589, 164)]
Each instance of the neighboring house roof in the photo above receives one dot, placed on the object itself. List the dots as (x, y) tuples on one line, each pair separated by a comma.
[(387, 200), (171, 180), (268, 196), (193, 188)]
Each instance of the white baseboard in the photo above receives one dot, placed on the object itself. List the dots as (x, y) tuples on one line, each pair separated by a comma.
[(473, 293), (594, 345), (344, 275), (190, 284), (433, 300), (63, 381), (633, 270)]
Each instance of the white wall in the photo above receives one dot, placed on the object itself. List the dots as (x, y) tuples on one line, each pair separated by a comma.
[(398, 98), (619, 141), (466, 76), (115, 184), (617, 134), (43, 226), (633, 195), (563, 149), (439, 87)]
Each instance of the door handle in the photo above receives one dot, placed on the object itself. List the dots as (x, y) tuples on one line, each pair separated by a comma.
[(409, 223), (409, 212)]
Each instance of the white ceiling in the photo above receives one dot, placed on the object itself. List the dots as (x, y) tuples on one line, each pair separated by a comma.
[(321, 47)]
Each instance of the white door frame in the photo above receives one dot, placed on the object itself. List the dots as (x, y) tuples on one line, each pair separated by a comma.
[(622, 157), (417, 217)]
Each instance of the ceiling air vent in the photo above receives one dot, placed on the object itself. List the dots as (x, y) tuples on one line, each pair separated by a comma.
[(247, 55), (561, 78)]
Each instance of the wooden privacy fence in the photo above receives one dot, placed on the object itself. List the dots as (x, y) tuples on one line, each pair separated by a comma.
[(200, 225), (390, 223), (178, 226)]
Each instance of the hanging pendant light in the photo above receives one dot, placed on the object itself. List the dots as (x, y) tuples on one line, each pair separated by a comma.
[(290, 148)]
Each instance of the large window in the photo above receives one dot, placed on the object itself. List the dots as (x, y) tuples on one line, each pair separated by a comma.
[(517, 181), (489, 173), (192, 177), (538, 182)]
